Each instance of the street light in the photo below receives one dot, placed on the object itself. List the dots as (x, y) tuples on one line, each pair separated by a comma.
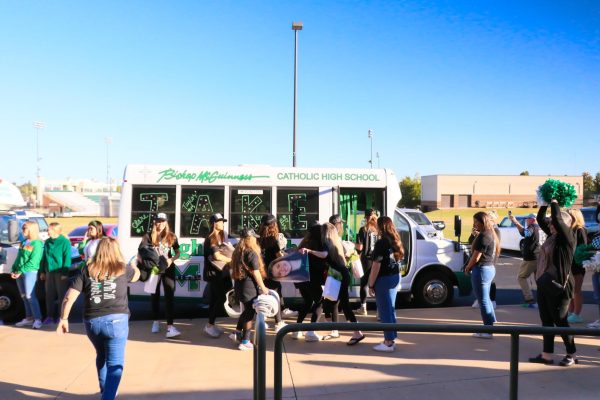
[(37, 126), (377, 155), (296, 26), (371, 139)]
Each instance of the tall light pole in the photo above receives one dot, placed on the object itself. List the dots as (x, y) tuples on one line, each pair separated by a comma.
[(296, 26), (39, 195), (371, 139), (377, 155)]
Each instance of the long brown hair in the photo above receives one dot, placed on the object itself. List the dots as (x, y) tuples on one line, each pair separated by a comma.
[(166, 236), (388, 230), (239, 269), (215, 237), (488, 225), (332, 241), (108, 260), (99, 228), (371, 221), (266, 231)]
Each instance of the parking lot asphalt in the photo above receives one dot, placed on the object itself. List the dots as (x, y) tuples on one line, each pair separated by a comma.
[(42, 364)]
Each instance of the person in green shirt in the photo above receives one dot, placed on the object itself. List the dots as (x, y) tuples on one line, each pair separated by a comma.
[(25, 271), (54, 270)]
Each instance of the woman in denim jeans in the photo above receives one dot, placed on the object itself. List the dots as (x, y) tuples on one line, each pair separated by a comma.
[(485, 250), (384, 277), (106, 313)]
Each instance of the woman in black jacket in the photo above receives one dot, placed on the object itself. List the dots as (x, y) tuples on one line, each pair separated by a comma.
[(555, 280)]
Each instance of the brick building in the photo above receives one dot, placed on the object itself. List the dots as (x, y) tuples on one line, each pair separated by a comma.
[(463, 191)]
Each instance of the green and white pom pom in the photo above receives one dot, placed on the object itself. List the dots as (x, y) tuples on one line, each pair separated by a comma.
[(564, 193)]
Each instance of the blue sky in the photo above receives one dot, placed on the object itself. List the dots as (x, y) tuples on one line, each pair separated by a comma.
[(470, 87)]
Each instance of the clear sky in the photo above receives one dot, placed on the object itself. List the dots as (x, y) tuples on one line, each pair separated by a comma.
[(470, 87)]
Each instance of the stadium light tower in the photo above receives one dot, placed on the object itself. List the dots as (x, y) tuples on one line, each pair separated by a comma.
[(296, 26), (371, 139)]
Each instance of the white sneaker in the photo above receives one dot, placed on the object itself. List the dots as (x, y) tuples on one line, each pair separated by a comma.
[(334, 334), (25, 322), (297, 335), (212, 331), (385, 348), (279, 326), (289, 313), (483, 335), (236, 336), (475, 304), (311, 336), (155, 327), (595, 324), (363, 309), (246, 346), (172, 332), (37, 324)]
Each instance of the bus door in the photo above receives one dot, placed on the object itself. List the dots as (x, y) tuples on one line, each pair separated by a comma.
[(352, 206)]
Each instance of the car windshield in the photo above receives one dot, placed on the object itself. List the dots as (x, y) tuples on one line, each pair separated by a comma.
[(418, 217)]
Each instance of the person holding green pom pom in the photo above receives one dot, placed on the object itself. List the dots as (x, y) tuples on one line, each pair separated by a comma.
[(555, 280)]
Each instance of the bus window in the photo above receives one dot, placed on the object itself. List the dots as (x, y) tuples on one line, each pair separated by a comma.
[(403, 228), (247, 206), (297, 209), (353, 203), (197, 205), (146, 202)]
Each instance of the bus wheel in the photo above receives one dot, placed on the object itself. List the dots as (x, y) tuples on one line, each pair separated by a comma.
[(433, 290), (11, 305)]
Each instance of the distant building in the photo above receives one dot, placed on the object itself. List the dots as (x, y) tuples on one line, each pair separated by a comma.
[(487, 191), (80, 197)]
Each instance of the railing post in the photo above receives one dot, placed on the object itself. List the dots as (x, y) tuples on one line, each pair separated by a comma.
[(277, 365), (260, 357), (514, 366)]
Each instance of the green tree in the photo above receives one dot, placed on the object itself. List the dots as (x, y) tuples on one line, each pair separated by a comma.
[(27, 189), (411, 191), (588, 185), (524, 173), (597, 183)]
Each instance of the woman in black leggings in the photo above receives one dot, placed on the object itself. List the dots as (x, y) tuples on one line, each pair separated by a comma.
[(248, 272), (161, 248)]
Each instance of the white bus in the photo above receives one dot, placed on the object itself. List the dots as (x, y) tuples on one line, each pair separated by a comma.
[(189, 195)]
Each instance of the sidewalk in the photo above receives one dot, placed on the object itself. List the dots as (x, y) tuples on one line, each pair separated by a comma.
[(42, 364)]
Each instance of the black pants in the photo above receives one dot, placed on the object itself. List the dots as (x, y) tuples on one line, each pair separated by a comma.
[(244, 323), (168, 281), (553, 312), (343, 298), (275, 285), (217, 289), (311, 294), (364, 281)]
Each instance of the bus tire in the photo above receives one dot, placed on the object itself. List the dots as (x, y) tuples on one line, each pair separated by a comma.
[(11, 304), (433, 289)]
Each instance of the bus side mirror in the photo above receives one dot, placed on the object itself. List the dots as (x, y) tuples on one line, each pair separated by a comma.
[(13, 231), (457, 226)]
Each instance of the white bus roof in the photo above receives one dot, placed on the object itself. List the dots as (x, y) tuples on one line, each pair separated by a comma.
[(258, 175)]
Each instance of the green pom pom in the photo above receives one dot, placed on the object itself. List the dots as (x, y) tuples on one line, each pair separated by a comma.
[(564, 193)]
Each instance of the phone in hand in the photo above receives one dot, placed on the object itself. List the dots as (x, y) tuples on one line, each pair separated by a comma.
[(509, 213)]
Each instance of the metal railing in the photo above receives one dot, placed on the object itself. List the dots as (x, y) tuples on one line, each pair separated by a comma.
[(514, 331)]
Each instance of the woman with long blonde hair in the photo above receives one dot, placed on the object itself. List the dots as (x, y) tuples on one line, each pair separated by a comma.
[(248, 273), (485, 250), (160, 248), (25, 272), (104, 282), (336, 261), (576, 304), (365, 244)]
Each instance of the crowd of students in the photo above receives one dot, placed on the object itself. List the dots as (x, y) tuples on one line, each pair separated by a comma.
[(105, 276)]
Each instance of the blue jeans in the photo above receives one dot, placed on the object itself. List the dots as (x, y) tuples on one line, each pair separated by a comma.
[(481, 278), (596, 285), (386, 288), (26, 284), (109, 334)]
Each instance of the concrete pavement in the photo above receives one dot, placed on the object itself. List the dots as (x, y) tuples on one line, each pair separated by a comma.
[(42, 364)]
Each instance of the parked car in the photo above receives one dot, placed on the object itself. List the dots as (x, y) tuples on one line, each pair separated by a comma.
[(429, 228), (25, 216), (591, 224), (510, 238), (78, 234)]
